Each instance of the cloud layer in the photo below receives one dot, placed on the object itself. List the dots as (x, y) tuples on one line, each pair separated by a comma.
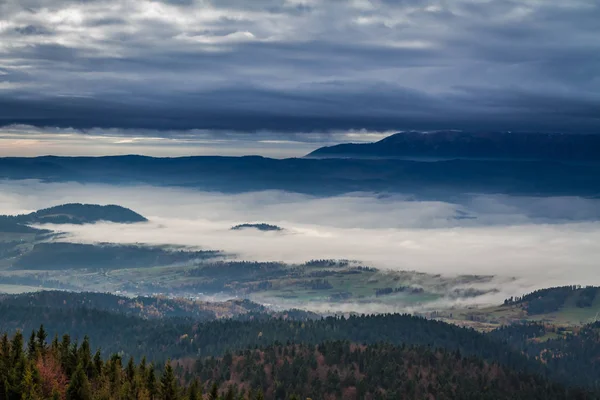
[(301, 65), (541, 241)]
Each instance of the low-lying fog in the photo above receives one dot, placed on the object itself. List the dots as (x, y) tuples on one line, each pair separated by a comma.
[(543, 241)]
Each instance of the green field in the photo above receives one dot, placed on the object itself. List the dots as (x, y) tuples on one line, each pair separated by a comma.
[(568, 314)]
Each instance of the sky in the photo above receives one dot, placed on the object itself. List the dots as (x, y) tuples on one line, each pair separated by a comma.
[(30, 141), (289, 69)]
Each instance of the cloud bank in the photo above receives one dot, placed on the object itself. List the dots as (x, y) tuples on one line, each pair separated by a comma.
[(301, 65), (542, 242)]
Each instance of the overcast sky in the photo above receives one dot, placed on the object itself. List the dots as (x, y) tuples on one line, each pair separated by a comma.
[(293, 66)]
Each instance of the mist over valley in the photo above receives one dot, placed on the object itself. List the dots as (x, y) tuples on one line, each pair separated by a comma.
[(478, 249)]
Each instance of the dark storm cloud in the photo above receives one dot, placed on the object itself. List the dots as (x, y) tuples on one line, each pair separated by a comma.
[(301, 65)]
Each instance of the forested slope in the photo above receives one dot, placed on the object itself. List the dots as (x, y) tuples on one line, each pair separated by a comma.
[(65, 369)]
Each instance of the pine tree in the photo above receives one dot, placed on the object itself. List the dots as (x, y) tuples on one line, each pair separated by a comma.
[(195, 393), (79, 387), (143, 367), (5, 349), (65, 354), (98, 365), (41, 338), (168, 385), (214, 392), (54, 346), (30, 385), (32, 347), (151, 381), (17, 348), (229, 395), (130, 370), (84, 356)]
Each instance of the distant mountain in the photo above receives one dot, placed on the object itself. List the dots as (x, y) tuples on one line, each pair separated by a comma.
[(261, 227), (328, 176), (457, 144)]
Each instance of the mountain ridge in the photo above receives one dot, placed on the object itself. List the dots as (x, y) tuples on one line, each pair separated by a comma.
[(327, 176), (462, 144)]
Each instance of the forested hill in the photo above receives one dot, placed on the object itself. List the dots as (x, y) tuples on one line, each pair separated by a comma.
[(159, 338), (552, 299), (572, 355), (458, 144), (181, 329), (98, 314), (341, 370), (76, 213), (64, 369), (73, 213)]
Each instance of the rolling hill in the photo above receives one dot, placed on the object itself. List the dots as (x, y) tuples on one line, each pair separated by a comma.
[(76, 213)]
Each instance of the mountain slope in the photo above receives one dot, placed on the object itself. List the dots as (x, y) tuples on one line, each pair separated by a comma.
[(76, 213), (334, 370), (65, 369), (457, 144)]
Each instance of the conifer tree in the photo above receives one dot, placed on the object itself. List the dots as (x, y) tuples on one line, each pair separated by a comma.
[(17, 348), (98, 364), (195, 393), (84, 356), (5, 349), (30, 385), (214, 392), (168, 385), (143, 367), (41, 338), (54, 346), (130, 370), (32, 347), (229, 395), (151, 382), (79, 388)]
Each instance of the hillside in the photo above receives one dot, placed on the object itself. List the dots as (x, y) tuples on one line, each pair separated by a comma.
[(143, 307), (64, 369), (458, 144), (170, 328), (76, 213), (63, 256), (341, 370), (180, 329), (562, 306), (73, 213)]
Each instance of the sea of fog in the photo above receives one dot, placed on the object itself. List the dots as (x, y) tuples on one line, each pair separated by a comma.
[(540, 241)]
